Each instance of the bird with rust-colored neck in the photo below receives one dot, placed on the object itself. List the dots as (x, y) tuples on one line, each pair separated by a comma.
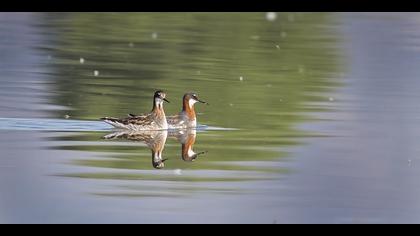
[(186, 118), (155, 120)]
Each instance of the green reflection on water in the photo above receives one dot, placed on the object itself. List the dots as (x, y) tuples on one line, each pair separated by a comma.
[(288, 70)]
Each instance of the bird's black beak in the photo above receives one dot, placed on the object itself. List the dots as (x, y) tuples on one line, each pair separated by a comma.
[(166, 100), (163, 160), (196, 155), (201, 101)]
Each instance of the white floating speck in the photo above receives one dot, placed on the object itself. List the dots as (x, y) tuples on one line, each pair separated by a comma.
[(82, 60), (154, 35), (177, 172), (301, 69), (283, 34), (95, 73), (131, 44), (241, 78), (255, 37), (231, 104), (269, 85), (271, 16), (331, 99), (278, 46), (66, 116), (280, 100)]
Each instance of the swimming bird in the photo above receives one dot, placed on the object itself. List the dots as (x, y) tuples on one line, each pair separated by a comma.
[(154, 139), (155, 120), (186, 118)]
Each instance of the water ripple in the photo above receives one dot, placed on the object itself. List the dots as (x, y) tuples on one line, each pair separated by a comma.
[(64, 125)]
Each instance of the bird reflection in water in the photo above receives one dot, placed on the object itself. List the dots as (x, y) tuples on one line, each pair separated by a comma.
[(156, 140), (187, 140)]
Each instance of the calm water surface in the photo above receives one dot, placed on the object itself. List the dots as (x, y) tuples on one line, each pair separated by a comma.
[(313, 117)]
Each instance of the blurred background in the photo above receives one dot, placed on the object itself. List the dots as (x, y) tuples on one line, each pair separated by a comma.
[(313, 117)]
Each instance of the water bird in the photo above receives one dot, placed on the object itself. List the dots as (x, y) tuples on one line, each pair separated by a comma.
[(186, 118), (155, 120)]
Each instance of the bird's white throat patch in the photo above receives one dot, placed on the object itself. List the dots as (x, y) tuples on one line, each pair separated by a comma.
[(159, 103), (190, 152), (191, 102)]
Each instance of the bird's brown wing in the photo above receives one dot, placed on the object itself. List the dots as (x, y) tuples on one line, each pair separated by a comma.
[(173, 119), (143, 120)]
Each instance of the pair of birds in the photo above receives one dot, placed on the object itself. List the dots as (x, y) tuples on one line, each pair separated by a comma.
[(156, 119)]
